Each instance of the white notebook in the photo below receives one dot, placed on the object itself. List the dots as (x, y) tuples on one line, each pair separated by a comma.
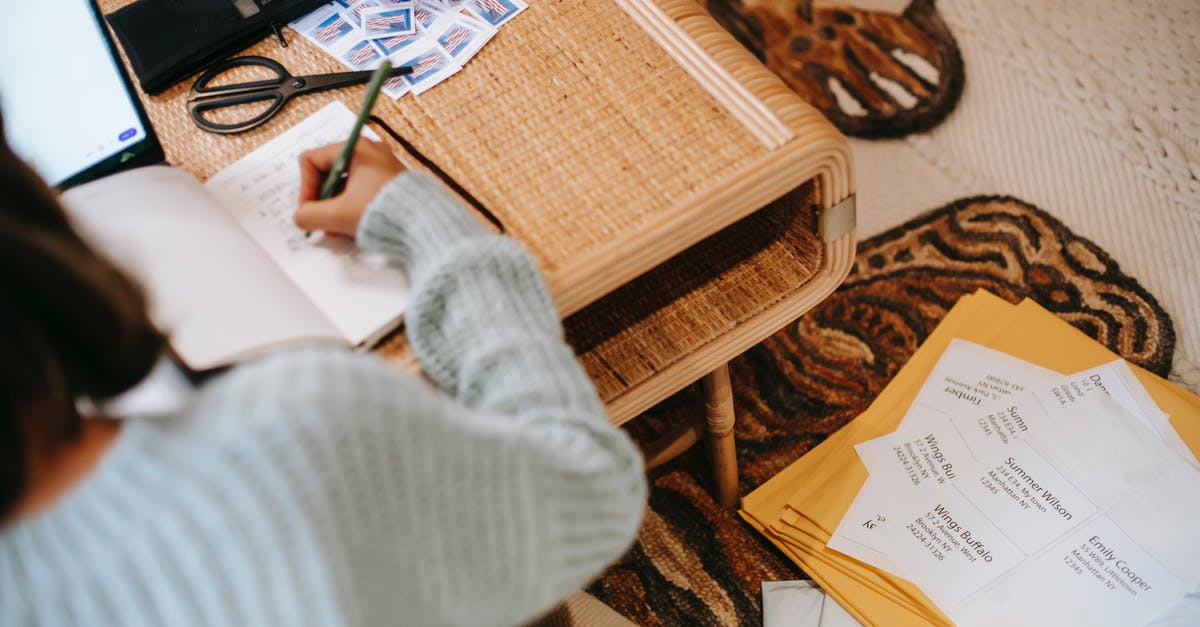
[(229, 274)]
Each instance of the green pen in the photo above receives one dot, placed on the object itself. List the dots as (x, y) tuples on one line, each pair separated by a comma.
[(339, 172)]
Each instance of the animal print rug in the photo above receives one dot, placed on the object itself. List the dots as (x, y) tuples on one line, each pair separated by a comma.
[(872, 73), (697, 564)]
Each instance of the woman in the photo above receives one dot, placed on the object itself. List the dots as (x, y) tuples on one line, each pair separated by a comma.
[(312, 487)]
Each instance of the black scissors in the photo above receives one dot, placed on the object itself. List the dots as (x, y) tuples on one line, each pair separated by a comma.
[(280, 89)]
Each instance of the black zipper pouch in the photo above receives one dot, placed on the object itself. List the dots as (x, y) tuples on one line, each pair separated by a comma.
[(167, 40)]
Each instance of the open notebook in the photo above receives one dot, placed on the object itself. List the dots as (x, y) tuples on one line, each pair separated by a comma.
[(228, 273)]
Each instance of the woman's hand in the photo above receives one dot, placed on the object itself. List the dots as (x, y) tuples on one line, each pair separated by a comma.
[(371, 167)]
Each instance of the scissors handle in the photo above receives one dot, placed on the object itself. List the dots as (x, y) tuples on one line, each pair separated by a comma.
[(278, 90), (205, 97), (197, 109), (202, 90)]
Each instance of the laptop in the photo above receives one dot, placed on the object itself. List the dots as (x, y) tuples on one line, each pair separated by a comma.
[(69, 107), (71, 111)]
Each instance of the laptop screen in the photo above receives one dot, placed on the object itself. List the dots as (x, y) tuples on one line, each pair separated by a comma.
[(68, 107)]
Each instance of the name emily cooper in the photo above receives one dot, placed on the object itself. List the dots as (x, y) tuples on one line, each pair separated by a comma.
[(1122, 566)]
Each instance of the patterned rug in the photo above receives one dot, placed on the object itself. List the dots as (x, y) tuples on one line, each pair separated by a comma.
[(697, 564), (872, 73)]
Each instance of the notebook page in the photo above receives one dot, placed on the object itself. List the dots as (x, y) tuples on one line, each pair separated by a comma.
[(356, 291), (210, 287)]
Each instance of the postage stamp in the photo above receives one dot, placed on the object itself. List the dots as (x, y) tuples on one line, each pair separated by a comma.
[(435, 37), (330, 30), (395, 87), (465, 37), (496, 12), (395, 43), (354, 13), (431, 65), (385, 21), (362, 56)]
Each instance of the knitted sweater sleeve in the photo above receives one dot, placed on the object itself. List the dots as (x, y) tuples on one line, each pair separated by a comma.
[(524, 490)]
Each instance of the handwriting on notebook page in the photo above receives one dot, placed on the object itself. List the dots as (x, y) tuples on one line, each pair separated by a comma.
[(265, 186), (261, 191)]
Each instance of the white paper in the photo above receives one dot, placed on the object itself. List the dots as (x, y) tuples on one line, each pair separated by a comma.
[(969, 375), (1048, 589), (210, 287), (1027, 497), (792, 604), (800, 603), (948, 547), (966, 376), (1117, 380), (975, 506), (834, 615), (359, 294), (1123, 582), (982, 506)]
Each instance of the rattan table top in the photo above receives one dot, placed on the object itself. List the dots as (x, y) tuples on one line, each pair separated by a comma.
[(606, 136)]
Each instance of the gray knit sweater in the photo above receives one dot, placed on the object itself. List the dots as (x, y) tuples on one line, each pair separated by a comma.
[(322, 487)]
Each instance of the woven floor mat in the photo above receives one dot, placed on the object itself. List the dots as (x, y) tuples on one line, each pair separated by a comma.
[(872, 73), (697, 564)]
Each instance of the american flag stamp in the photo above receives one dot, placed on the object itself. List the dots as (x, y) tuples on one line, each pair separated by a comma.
[(427, 14), (465, 37), (431, 65), (380, 22), (496, 12), (395, 43), (362, 56), (445, 5), (354, 13), (395, 87), (436, 37), (330, 30)]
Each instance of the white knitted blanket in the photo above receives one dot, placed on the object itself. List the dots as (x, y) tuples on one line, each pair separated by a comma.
[(1087, 110)]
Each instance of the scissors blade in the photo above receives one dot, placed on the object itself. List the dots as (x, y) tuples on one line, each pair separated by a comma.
[(319, 82)]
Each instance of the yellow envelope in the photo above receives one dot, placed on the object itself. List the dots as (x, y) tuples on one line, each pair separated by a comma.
[(795, 529), (798, 509), (772, 495)]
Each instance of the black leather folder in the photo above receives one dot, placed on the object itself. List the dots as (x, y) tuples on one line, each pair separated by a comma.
[(167, 40)]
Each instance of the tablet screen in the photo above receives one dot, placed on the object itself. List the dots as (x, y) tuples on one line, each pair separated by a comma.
[(68, 107)]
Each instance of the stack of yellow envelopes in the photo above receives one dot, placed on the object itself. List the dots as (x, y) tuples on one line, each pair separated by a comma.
[(799, 509)]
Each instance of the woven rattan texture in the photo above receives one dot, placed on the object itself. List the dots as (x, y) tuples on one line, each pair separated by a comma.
[(572, 100), (698, 295)]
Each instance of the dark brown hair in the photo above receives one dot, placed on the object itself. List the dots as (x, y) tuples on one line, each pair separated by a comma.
[(73, 325)]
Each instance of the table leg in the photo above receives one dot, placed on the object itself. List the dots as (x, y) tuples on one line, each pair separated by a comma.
[(722, 453), (673, 444)]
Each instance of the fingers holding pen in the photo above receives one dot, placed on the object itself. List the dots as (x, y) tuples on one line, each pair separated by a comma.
[(314, 165), (372, 166)]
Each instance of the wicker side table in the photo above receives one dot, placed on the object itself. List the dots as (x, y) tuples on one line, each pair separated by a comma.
[(682, 202)]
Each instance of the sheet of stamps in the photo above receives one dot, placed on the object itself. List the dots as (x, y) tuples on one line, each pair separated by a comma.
[(435, 37)]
